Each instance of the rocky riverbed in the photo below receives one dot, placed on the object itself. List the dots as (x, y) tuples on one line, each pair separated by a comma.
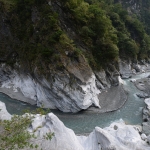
[(144, 86), (118, 136), (70, 91), (73, 90)]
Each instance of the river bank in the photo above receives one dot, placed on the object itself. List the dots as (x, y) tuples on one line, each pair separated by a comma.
[(17, 95), (112, 98), (85, 121), (118, 135), (103, 90)]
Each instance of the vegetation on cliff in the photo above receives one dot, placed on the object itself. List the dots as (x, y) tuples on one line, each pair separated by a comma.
[(45, 34), (14, 133)]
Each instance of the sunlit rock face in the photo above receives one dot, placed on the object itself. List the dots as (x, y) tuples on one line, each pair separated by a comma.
[(146, 118), (64, 138), (4, 115), (118, 136), (75, 89), (70, 91), (125, 69)]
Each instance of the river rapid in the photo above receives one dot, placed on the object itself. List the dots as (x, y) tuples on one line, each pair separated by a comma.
[(85, 121)]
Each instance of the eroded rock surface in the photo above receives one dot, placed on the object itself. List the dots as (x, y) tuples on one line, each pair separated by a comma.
[(118, 136), (144, 86), (146, 117), (125, 69), (67, 91), (74, 89), (4, 115)]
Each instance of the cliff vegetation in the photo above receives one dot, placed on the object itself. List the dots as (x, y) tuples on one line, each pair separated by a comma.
[(47, 34)]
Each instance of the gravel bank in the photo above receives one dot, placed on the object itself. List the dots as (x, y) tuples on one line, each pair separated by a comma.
[(111, 100)]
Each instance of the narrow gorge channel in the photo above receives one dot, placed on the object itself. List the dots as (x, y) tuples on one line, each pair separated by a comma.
[(85, 121)]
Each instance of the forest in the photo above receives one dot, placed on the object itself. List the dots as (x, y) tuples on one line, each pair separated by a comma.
[(104, 31)]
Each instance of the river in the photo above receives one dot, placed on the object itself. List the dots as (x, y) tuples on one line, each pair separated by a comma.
[(84, 122)]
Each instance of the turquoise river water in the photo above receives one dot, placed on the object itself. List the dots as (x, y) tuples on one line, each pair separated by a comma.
[(84, 122)]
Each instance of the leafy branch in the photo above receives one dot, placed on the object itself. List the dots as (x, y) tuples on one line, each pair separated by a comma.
[(15, 136)]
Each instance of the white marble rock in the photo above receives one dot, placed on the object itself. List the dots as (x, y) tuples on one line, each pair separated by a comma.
[(118, 136)]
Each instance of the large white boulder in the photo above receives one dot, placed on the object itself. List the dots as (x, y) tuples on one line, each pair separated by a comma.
[(4, 115), (125, 69), (126, 136), (118, 136), (147, 102), (63, 139), (67, 92), (146, 118)]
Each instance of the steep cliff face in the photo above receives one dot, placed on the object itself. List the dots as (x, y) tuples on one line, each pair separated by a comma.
[(140, 8), (67, 91), (72, 90), (62, 54), (133, 6), (60, 78)]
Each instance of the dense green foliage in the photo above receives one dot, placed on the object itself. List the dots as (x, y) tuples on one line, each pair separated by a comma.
[(106, 26), (14, 134), (103, 27), (37, 38), (95, 30)]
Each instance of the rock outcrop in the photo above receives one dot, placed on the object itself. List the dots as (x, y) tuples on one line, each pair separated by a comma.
[(4, 115), (146, 122), (146, 118), (69, 91), (75, 89), (118, 136), (144, 86), (125, 69)]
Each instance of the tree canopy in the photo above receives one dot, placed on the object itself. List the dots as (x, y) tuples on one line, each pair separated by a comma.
[(106, 28)]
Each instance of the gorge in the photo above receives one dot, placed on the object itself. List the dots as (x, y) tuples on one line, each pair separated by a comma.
[(86, 58), (84, 122), (60, 57), (118, 135)]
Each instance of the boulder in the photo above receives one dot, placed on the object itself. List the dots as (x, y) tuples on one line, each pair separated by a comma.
[(146, 128), (125, 69), (142, 95), (148, 139), (126, 136), (134, 71), (118, 136), (63, 139), (69, 91), (133, 80), (4, 115), (146, 118), (143, 137), (136, 67), (147, 102)]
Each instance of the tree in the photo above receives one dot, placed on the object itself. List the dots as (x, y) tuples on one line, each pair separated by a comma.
[(14, 134)]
